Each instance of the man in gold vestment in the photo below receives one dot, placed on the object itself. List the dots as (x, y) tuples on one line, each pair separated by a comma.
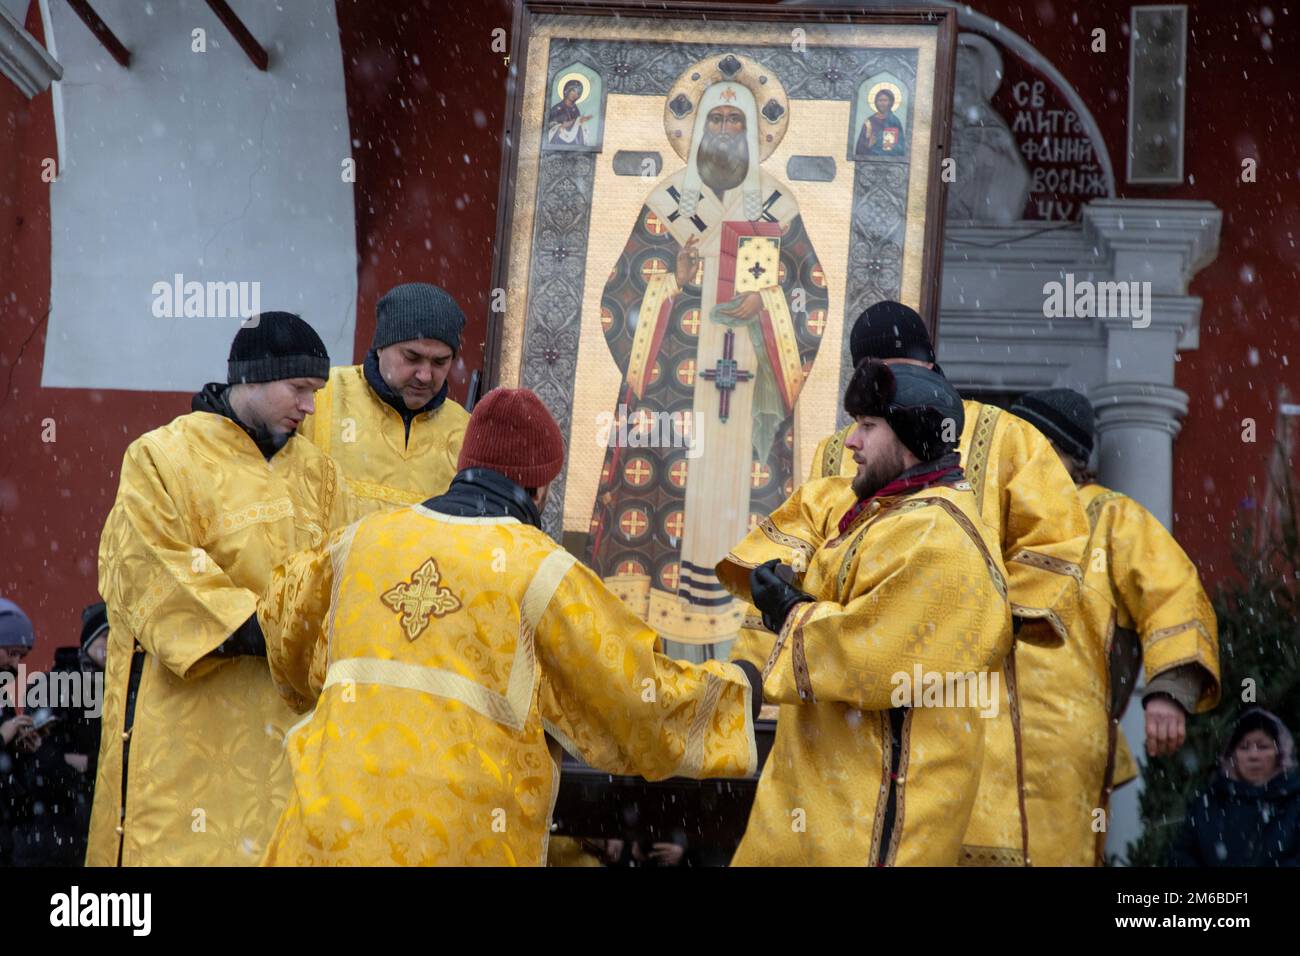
[(191, 769), (1141, 604), (1026, 498), (434, 649), (388, 422), (905, 586)]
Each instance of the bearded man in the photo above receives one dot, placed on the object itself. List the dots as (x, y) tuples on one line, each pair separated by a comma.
[(908, 580), (702, 315)]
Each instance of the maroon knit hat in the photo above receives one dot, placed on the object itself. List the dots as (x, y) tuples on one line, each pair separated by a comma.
[(512, 433)]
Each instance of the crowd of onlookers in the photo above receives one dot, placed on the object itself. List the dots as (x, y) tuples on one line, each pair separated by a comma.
[(1247, 814), (48, 752)]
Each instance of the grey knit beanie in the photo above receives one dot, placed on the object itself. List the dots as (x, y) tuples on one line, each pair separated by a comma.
[(417, 310), (15, 626)]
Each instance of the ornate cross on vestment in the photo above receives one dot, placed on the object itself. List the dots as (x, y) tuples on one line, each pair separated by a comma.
[(420, 599), (726, 374)]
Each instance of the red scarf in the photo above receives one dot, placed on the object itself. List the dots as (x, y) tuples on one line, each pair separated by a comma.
[(897, 487)]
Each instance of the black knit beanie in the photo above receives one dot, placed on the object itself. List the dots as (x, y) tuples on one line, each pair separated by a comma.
[(94, 622), (890, 330), (275, 345), (417, 310), (1063, 415)]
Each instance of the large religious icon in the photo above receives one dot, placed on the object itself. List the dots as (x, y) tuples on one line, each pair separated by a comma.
[(715, 310), (879, 131), (679, 299)]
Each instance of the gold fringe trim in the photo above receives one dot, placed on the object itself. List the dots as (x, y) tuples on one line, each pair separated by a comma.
[(990, 856)]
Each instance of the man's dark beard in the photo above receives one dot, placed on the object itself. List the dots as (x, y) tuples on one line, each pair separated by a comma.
[(878, 473), (723, 160)]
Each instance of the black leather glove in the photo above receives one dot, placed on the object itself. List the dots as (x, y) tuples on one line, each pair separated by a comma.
[(755, 686), (773, 594), (247, 641)]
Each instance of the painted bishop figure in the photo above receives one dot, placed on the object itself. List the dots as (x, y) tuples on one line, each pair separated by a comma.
[(714, 313)]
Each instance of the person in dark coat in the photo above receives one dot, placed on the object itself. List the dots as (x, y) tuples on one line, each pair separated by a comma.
[(1249, 815), (57, 779), (81, 723), (17, 736)]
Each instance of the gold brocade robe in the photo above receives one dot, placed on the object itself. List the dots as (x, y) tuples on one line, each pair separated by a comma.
[(368, 439), (1025, 495), (916, 582), (1139, 586), (434, 654), (201, 518)]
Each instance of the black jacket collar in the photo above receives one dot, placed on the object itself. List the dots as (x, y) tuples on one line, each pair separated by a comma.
[(945, 469), (481, 492), (370, 367), (215, 398)]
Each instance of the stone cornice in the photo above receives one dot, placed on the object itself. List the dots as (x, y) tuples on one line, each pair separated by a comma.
[(1180, 314), (1189, 228), (994, 275), (23, 59), (1026, 244)]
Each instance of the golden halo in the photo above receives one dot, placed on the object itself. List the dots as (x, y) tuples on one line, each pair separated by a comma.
[(563, 81), (885, 85), (769, 95)]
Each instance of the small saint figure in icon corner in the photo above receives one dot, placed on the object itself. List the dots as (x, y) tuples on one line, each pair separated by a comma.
[(882, 131), (564, 121)]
